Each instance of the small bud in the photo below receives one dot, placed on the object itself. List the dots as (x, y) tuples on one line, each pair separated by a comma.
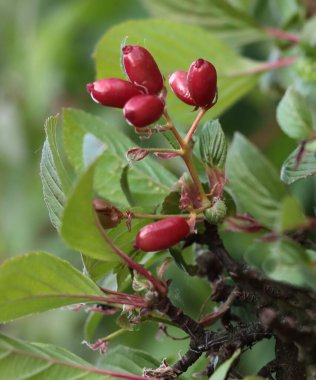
[(142, 69), (202, 82), (162, 234), (216, 213), (109, 216), (143, 110), (179, 84), (112, 92)]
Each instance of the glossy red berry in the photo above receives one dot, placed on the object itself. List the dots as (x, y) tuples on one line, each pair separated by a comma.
[(179, 84), (142, 69), (162, 235), (143, 110), (112, 92), (202, 82)]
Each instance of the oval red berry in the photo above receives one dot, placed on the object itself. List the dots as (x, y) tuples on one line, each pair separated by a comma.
[(179, 84), (143, 110), (202, 82), (112, 92), (162, 235), (142, 69)]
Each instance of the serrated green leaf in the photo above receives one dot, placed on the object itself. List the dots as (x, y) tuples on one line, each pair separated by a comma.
[(218, 16), (222, 370), (21, 360), (128, 360), (78, 227), (307, 166), (294, 116), (212, 144), (148, 180), (53, 174), (256, 188), (175, 46), (39, 281), (282, 260)]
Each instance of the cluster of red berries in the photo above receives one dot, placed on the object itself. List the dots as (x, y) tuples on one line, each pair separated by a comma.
[(142, 97)]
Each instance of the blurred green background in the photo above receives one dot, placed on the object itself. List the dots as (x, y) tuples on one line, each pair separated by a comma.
[(46, 60)]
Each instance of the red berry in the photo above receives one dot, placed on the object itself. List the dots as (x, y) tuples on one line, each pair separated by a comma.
[(142, 110), (142, 69), (112, 92), (162, 235), (179, 84), (202, 82)]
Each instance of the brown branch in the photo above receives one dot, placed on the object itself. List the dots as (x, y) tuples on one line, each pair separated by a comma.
[(288, 365)]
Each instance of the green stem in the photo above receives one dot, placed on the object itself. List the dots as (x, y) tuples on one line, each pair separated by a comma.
[(186, 151), (194, 126), (114, 335), (162, 150), (156, 216)]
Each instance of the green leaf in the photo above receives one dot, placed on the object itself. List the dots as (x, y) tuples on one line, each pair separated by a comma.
[(170, 204), (175, 46), (256, 188), (148, 180), (253, 378), (177, 255), (53, 174), (39, 281), (20, 360), (290, 172), (125, 186), (294, 116), (213, 145), (291, 215), (282, 260), (218, 16), (91, 324), (78, 227), (309, 32), (222, 370), (128, 360), (120, 236), (287, 13)]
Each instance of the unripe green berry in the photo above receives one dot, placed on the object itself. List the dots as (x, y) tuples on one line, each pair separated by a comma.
[(216, 213)]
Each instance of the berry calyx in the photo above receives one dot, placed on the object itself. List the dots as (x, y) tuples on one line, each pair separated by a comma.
[(162, 234), (109, 216), (143, 110), (179, 84), (112, 92), (202, 82), (142, 69)]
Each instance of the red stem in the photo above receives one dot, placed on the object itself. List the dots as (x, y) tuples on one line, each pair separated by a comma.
[(160, 286), (267, 66), (282, 35), (119, 294)]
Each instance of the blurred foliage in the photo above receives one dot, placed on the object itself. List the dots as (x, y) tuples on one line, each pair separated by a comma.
[(46, 51)]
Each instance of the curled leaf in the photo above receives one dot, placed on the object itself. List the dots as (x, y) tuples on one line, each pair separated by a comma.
[(137, 154)]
